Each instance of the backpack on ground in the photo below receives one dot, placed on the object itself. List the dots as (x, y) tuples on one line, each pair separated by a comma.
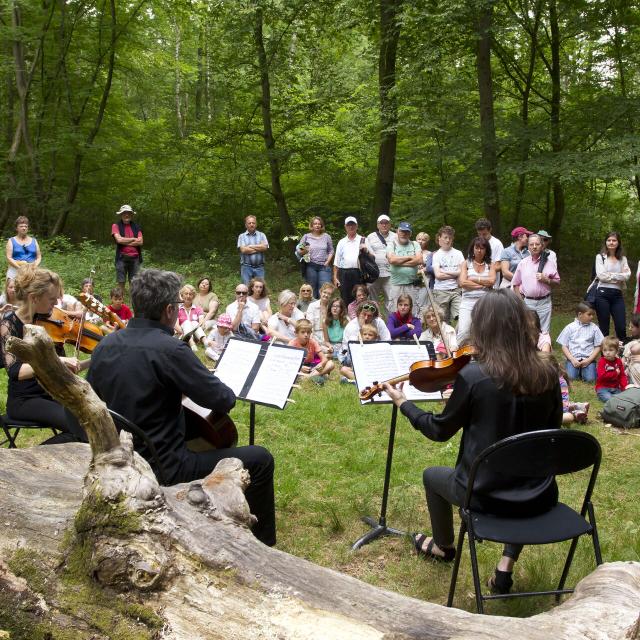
[(623, 410)]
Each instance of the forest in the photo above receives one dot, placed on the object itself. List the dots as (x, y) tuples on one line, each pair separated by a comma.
[(198, 113)]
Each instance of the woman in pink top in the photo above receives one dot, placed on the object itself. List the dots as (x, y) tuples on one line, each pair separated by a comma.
[(190, 318)]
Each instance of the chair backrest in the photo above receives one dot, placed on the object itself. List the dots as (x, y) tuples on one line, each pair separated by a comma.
[(125, 424), (540, 454)]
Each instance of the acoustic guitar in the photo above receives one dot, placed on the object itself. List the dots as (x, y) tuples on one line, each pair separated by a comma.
[(206, 429)]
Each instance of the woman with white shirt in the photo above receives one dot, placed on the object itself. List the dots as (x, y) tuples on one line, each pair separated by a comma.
[(282, 325), (612, 272), (477, 276)]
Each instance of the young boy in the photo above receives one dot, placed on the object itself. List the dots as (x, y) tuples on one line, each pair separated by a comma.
[(218, 338), (581, 342), (369, 334), (118, 307), (446, 268), (631, 353), (611, 378), (315, 362)]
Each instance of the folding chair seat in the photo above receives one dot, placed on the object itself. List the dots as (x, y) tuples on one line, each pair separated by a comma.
[(10, 425), (536, 454), (139, 436)]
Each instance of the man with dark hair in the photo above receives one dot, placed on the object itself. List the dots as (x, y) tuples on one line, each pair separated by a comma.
[(483, 229), (128, 238), (142, 372)]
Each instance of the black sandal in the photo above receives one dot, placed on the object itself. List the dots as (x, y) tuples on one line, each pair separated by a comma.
[(500, 582), (449, 553)]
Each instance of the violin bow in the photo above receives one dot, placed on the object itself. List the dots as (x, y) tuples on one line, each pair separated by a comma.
[(435, 313)]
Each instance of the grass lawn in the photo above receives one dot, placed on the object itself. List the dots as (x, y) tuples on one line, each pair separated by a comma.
[(330, 457)]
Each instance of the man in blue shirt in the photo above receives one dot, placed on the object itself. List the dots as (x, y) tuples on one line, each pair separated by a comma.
[(252, 245)]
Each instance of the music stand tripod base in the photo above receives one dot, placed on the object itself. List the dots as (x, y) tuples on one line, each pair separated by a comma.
[(378, 529)]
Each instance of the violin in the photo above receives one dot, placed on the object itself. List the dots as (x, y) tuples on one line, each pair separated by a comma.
[(207, 429), (62, 328)]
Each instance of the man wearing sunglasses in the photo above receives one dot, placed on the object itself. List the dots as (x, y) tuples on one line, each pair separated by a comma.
[(245, 315)]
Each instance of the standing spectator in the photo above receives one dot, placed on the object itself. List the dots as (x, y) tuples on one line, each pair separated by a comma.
[(402, 324), (282, 325), (546, 241), (346, 267), (483, 229), (405, 256), (422, 238), (611, 378), (513, 255), (580, 343), (305, 297), (612, 272), (446, 269), (22, 249), (534, 277), (477, 276), (252, 245), (378, 243), (318, 311), (318, 248), (245, 316), (128, 238)]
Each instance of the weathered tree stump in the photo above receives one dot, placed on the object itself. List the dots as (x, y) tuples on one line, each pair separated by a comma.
[(185, 556)]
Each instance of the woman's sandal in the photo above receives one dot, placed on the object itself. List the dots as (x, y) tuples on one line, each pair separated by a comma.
[(418, 541), (500, 582)]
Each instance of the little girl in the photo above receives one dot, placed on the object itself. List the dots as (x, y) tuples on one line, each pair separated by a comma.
[(218, 338), (611, 378), (315, 361), (571, 411), (631, 353), (369, 334), (334, 323)]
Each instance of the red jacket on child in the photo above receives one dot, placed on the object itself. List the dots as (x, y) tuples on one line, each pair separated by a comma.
[(611, 375)]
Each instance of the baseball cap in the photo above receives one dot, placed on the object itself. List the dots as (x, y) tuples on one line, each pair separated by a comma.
[(543, 234), (518, 231), (350, 220), (405, 226), (383, 217)]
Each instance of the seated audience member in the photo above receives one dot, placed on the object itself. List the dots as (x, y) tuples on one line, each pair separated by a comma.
[(367, 314), (118, 306), (8, 300), (190, 318), (580, 343), (89, 316), (491, 400), (369, 333), (631, 353), (611, 378), (543, 338), (402, 324), (431, 333), (315, 362), (333, 326), (282, 325), (317, 313), (218, 338), (142, 373), (360, 293), (208, 301), (70, 305), (305, 298), (259, 295), (245, 316), (571, 411), (87, 287)]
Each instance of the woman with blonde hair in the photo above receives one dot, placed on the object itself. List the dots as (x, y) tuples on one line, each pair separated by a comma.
[(316, 250), (282, 325), (190, 318), (37, 292)]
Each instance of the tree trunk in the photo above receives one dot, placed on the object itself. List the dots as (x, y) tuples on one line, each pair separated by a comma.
[(389, 37), (556, 134), (178, 79), (277, 192), (487, 124), (185, 555)]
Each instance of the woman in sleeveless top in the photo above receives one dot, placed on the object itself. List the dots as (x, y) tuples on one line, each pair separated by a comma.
[(477, 276), (22, 249)]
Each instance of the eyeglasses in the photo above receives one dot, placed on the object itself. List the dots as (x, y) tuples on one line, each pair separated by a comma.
[(242, 293)]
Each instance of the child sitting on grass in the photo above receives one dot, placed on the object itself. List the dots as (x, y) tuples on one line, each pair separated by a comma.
[(118, 306), (581, 342), (369, 333), (611, 378), (631, 353), (218, 338), (315, 361), (571, 411)]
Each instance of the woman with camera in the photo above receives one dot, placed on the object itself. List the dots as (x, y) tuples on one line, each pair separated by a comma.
[(315, 252)]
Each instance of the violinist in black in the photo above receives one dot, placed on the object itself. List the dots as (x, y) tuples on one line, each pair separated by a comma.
[(493, 397), (37, 292)]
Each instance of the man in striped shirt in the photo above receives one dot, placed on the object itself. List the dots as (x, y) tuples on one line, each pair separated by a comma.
[(252, 245)]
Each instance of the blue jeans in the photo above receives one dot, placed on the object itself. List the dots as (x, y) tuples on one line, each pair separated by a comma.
[(587, 374), (606, 394), (316, 275), (610, 302), (247, 272)]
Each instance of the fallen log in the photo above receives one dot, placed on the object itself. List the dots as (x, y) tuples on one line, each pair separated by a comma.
[(184, 554)]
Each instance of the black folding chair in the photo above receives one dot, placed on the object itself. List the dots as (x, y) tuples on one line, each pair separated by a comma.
[(139, 436), (11, 429), (537, 454)]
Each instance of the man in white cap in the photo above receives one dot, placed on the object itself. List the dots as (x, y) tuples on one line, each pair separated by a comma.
[(378, 242), (346, 269), (128, 238)]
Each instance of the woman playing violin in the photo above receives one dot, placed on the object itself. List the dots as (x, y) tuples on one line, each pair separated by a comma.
[(492, 398), (37, 291)]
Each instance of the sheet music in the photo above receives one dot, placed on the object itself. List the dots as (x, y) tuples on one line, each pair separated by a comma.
[(380, 361), (235, 366), (276, 375)]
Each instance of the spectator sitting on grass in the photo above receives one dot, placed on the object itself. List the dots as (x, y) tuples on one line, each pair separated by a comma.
[(315, 362), (611, 378), (368, 333)]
